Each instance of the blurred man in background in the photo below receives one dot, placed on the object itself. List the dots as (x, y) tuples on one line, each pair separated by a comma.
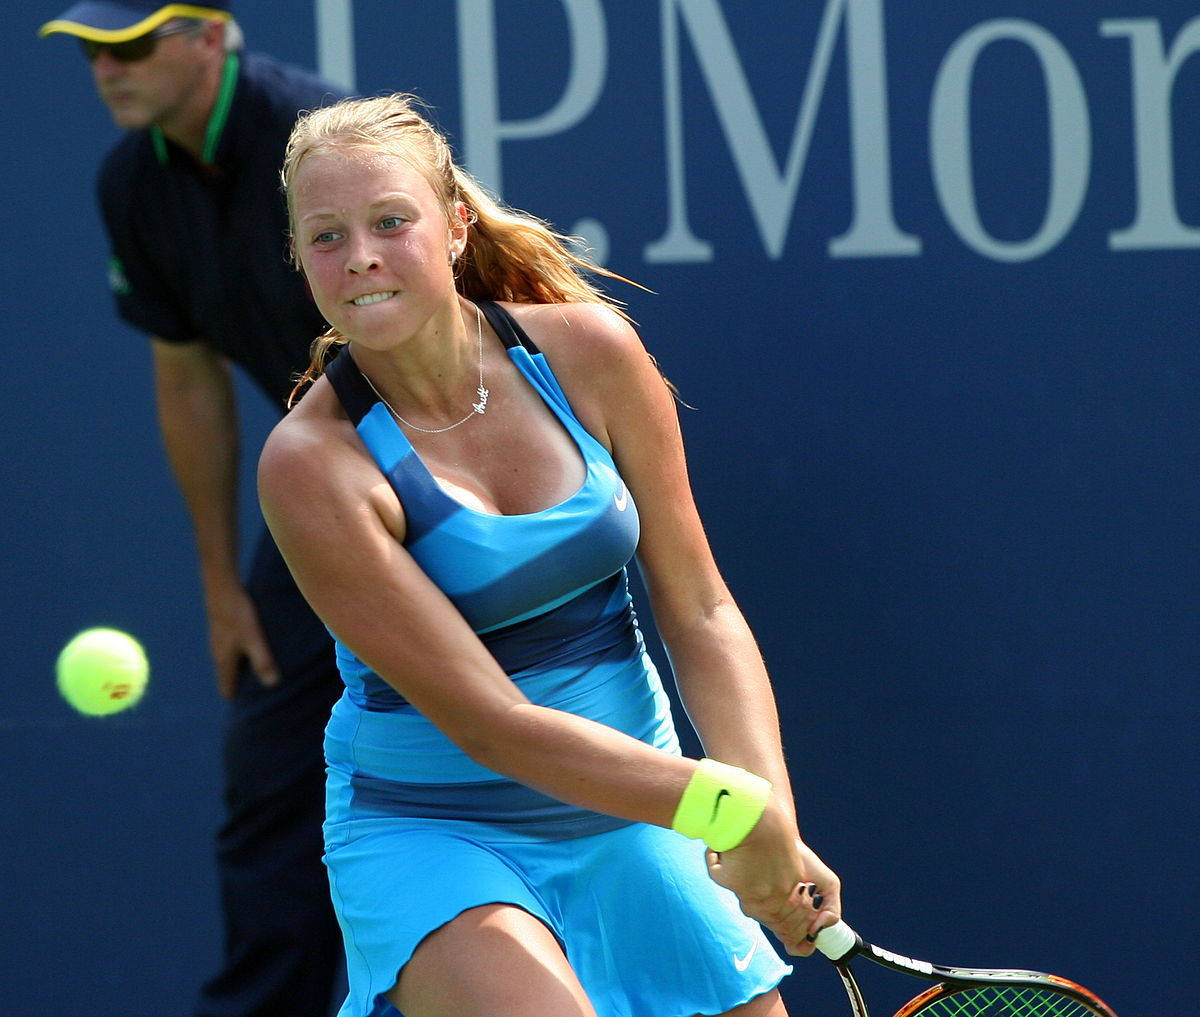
[(191, 202)]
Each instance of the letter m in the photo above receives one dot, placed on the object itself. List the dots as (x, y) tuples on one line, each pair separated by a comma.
[(772, 191)]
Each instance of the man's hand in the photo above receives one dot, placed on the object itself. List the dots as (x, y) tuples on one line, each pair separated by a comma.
[(235, 635)]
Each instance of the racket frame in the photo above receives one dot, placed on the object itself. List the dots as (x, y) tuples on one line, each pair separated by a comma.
[(841, 944)]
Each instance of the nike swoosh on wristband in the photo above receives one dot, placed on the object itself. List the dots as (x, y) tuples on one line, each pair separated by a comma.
[(741, 963), (723, 793)]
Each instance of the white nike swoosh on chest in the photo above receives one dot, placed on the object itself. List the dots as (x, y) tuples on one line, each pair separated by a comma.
[(621, 498)]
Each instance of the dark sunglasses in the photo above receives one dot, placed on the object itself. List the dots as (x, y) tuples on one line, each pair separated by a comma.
[(134, 49)]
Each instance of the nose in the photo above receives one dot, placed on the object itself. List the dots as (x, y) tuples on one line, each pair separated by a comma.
[(105, 65), (361, 257)]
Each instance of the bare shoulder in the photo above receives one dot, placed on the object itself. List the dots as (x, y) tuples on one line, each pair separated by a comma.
[(586, 334), (601, 363), (311, 453), (596, 354), (304, 436)]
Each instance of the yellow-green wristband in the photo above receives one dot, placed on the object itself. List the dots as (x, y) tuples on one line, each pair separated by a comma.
[(721, 804)]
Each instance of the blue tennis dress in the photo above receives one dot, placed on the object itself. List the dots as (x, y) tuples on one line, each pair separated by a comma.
[(417, 832)]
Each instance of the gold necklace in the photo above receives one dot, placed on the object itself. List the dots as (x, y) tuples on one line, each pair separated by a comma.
[(479, 407)]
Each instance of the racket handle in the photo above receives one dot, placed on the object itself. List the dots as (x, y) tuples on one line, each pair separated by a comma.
[(837, 942)]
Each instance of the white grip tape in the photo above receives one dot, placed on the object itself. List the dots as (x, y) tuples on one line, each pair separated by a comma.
[(836, 941)]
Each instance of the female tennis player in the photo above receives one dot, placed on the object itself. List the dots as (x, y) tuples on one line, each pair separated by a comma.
[(486, 445)]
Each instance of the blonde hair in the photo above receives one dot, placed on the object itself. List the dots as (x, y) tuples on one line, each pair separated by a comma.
[(509, 255)]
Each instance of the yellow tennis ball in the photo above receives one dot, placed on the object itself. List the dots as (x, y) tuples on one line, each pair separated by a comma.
[(102, 671)]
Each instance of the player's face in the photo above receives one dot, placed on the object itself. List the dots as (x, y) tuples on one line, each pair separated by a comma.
[(157, 89), (374, 242)]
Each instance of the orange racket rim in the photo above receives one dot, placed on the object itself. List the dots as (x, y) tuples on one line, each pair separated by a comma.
[(947, 989)]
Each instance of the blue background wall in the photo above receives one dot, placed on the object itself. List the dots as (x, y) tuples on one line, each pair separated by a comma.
[(953, 484)]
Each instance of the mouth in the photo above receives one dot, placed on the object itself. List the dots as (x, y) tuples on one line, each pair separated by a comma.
[(373, 298)]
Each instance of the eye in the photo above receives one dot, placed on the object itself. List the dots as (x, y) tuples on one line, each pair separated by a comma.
[(326, 237), (391, 222)]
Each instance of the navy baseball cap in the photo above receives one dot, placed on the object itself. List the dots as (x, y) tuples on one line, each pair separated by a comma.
[(103, 21)]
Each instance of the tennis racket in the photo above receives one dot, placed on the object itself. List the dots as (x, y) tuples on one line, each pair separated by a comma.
[(961, 992)]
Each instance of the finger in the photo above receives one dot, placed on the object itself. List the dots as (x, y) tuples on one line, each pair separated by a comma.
[(795, 908), (816, 899), (263, 665), (823, 920), (226, 679), (774, 917), (715, 871), (798, 945)]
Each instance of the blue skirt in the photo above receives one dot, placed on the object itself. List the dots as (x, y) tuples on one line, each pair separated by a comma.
[(646, 930)]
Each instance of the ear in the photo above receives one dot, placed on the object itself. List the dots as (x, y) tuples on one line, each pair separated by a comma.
[(211, 38), (214, 33), (460, 218)]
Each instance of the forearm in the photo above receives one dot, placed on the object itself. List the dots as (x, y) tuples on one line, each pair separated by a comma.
[(594, 766), (724, 688), (197, 417), (585, 763)]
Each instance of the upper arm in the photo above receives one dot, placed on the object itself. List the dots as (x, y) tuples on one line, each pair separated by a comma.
[(338, 525), (621, 396), (190, 364), (618, 392), (194, 390)]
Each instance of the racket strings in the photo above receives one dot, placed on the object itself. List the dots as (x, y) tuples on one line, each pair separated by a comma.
[(1006, 1001)]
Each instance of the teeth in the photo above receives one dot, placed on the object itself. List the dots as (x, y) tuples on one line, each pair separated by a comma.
[(374, 298)]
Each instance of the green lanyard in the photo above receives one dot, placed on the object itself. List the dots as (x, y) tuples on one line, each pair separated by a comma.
[(216, 122)]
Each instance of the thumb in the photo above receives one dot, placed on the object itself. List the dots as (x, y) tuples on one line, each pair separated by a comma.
[(264, 666), (713, 861)]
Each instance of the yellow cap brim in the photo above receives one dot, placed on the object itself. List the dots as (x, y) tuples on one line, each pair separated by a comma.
[(163, 14)]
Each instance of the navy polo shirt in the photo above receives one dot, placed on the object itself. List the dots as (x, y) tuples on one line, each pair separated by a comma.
[(199, 251)]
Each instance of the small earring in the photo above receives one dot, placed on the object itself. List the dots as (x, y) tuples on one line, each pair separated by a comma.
[(453, 257)]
